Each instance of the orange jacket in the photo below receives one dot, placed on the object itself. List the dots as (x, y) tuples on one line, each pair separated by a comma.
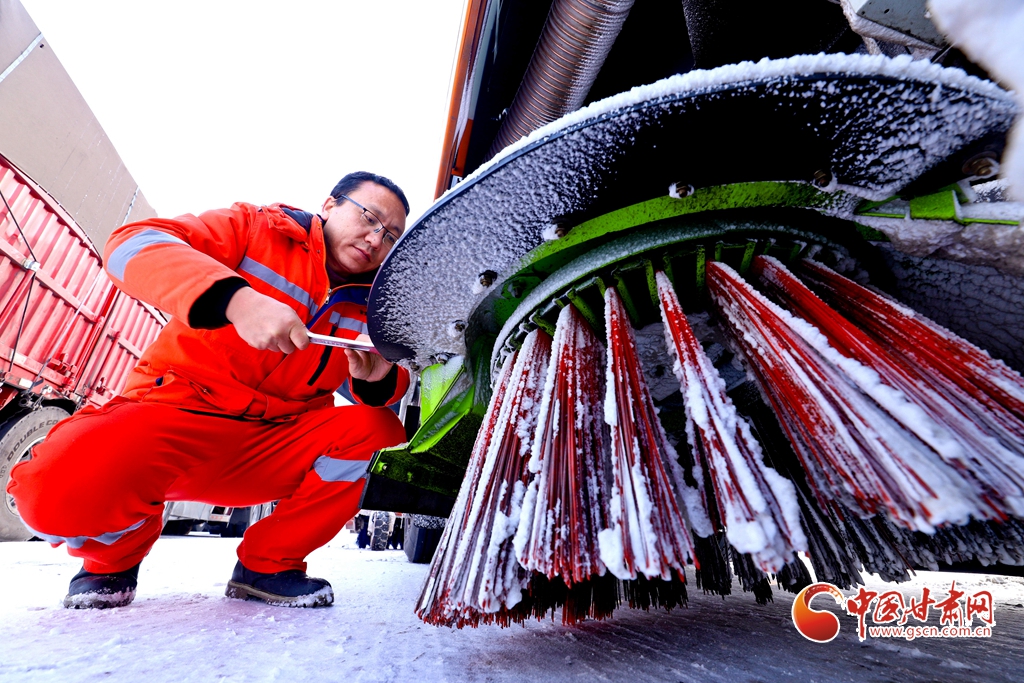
[(170, 263)]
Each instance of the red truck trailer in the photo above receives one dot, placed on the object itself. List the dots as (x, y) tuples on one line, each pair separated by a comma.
[(68, 337)]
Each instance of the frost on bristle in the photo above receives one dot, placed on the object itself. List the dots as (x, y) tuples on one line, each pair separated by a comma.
[(438, 602), (976, 302), (558, 538), (888, 313), (961, 407), (693, 500), (828, 406), (759, 507), (522, 535), (648, 510), (549, 386), (475, 574)]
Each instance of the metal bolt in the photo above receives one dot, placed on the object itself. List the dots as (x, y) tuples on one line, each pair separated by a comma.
[(487, 278), (981, 166), (822, 177), (680, 190)]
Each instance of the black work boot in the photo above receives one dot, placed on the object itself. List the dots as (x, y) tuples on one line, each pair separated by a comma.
[(291, 588), (100, 591)]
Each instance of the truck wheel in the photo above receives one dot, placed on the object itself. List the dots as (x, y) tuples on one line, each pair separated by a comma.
[(178, 527), (380, 524), (422, 534), (241, 519), (17, 437)]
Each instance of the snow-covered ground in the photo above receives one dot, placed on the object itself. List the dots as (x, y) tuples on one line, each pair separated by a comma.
[(182, 628)]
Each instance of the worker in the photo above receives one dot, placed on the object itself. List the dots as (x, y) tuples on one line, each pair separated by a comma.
[(231, 405)]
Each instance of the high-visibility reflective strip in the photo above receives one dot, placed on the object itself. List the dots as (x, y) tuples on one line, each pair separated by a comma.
[(278, 282), (357, 326), (133, 245), (78, 541), (335, 469)]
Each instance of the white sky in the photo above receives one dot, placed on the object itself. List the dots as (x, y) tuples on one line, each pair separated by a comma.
[(215, 101)]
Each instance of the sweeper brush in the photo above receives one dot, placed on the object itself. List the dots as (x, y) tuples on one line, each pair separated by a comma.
[(662, 333)]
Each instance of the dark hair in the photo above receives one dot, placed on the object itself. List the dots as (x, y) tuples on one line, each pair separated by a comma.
[(353, 180)]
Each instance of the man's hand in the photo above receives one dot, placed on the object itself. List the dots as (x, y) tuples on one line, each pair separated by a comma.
[(265, 323), (367, 365)]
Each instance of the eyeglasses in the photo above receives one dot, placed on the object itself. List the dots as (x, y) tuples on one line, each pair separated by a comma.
[(375, 224)]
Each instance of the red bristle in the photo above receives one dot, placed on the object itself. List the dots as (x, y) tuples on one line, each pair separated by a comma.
[(839, 416), (432, 605), (564, 509), (997, 390), (962, 432), (474, 571), (758, 507), (648, 533), (925, 344)]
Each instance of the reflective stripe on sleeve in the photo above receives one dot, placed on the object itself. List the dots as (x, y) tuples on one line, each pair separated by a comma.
[(127, 250), (335, 469), (108, 538), (357, 326), (278, 282)]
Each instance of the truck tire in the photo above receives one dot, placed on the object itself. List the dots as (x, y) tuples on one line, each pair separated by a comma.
[(17, 437), (422, 534), (241, 519), (380, 524)]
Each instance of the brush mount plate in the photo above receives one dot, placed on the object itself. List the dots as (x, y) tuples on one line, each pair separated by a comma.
[(870, 133)]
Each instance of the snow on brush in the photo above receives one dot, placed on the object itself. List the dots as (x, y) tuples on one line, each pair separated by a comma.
[(759, 507), (869, 432), (182, 628), (885, 132)]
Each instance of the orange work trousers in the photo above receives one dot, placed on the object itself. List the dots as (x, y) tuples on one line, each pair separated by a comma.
[(100, 479)]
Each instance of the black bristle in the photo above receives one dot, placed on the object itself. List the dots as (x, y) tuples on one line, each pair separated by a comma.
[(794, 577), (752, 579), (713, 574), (644, 593), (831, 558), (763, 591), (596, 598), (875, 543)]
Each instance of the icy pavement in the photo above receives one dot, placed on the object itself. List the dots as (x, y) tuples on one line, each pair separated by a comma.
[(182, 628)]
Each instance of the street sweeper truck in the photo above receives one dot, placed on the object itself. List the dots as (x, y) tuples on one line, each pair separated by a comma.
[(729, 286)]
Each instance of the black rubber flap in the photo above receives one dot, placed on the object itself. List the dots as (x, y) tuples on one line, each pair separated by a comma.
[(382, 493)]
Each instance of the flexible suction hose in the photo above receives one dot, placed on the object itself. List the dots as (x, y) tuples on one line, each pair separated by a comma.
[(576, 39)]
